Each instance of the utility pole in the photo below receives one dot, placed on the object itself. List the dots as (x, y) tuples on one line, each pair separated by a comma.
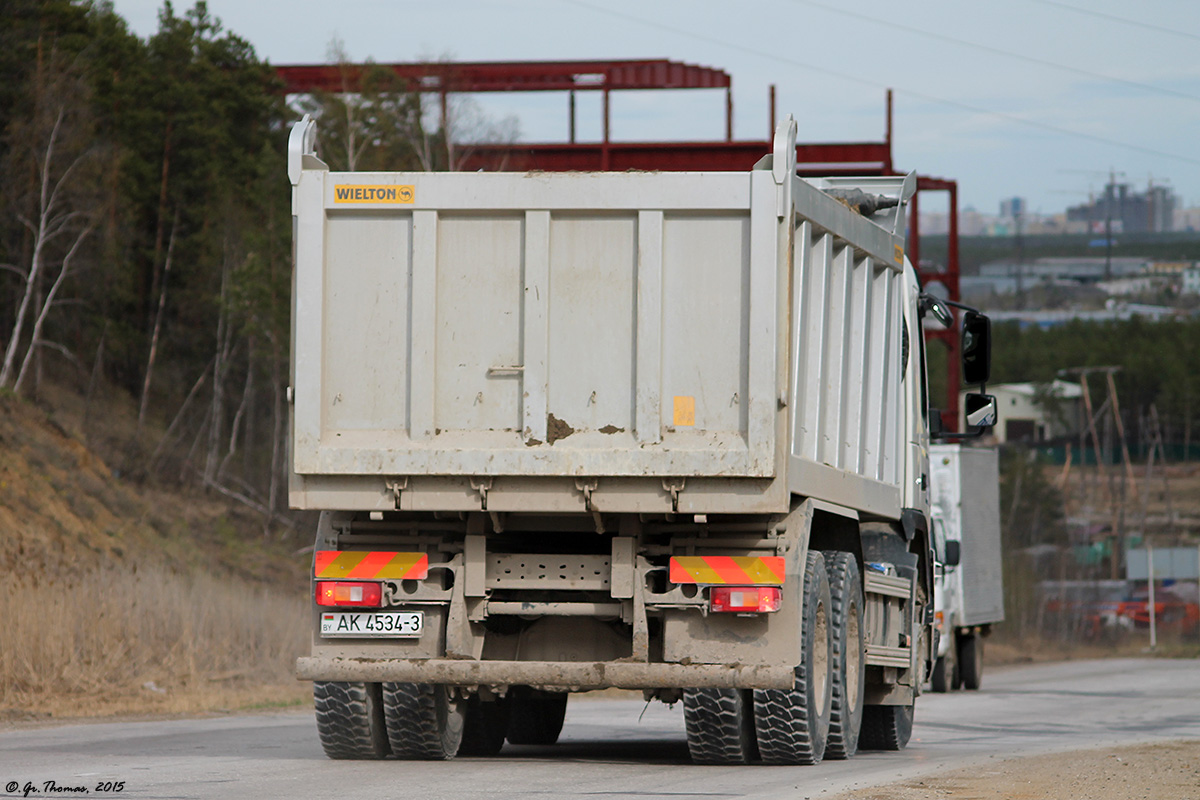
[(1108, 204), (1110, 199), (1111, 407), (1110, 196)]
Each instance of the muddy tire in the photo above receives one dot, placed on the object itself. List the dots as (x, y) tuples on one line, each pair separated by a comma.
[(485, 727), (970, 660), (792, 726), (537, 717), (350, 720), (720, 725), (886, 727), (423, 723), (847, 667)]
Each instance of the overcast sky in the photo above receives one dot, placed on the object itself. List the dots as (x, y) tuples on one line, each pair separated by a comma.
[(1030, 98)]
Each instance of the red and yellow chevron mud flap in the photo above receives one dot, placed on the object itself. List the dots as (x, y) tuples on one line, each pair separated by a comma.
[(733, 570), (365, 565)]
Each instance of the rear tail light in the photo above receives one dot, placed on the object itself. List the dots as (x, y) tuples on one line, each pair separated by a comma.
[(940, 619), (744, 599), (367, 594)]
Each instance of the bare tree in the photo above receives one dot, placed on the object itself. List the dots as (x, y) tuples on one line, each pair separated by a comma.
[(157, 332), (60, 214), (466, 124), (377, 121)]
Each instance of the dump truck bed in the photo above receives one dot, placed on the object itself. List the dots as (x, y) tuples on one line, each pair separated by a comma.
[(637, 340)]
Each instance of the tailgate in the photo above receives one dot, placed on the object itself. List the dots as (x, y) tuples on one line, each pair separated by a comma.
[(592, 324)]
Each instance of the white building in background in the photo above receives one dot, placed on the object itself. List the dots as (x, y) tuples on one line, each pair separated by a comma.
[(976, 223), (1190, 280), (1025, 414)]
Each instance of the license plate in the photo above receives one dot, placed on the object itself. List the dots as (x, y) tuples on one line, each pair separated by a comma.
[(396, 624)]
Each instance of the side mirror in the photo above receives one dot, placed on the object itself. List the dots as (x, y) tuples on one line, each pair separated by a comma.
[(953, 553), (976, 348), (981, 412)]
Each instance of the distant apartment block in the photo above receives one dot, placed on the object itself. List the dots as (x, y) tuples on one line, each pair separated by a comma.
[(1155, 210), (1128, 211)]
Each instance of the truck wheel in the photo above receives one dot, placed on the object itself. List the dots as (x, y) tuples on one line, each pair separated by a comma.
[(846, 666), (945, 674), (793, 725), (423, 723), (886, 727), (937, 678), (970, 660), (537, 717), (485, 726), (350, 719), (720, 725)]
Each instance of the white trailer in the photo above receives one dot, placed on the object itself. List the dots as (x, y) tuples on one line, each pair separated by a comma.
[(969, 579), (657, 431)]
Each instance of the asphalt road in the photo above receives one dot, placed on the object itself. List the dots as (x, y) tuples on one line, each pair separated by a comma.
[(609, 748)]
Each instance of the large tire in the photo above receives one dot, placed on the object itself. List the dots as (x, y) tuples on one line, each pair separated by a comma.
[(886, 727), (423, 723), (720, 725), (350, 719), (847, 666), (537, 717), (945, 675), (485, 726), (938, 681), (793, 725), (970, 659)]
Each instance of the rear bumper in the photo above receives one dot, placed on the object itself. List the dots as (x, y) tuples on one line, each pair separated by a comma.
[(546, 674)]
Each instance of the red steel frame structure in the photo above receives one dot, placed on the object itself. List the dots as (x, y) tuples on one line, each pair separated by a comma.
[(815, 159)]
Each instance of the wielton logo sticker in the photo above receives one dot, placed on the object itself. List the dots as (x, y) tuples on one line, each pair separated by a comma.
[(373, 194)]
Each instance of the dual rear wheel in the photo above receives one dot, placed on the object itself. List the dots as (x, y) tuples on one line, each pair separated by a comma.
[(821, 716), (416, 721)]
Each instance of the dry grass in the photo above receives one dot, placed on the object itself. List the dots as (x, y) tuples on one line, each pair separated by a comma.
[(116, 640), (123, 598)]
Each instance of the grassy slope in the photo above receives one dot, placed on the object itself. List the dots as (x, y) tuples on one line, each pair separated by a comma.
[(125, 598)]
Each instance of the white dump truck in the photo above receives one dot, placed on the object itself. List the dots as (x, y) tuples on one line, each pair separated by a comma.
[(570, 431), (968, 574)]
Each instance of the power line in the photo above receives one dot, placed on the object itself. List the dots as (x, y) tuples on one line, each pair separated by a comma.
[(996, 50), (1045, 126), (1123, 20)]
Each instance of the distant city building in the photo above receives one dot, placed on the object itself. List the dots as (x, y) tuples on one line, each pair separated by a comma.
[(1191, 280), (1137, 284), (1079, 270), (975, 223), (1187, 219), (1125, 210), (1013, 207), (1155, 211), (1169, 267), (1115, 312)]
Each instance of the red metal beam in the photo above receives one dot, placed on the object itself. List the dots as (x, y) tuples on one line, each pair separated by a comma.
[(949, 277), (840, 158), (511, 76)]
